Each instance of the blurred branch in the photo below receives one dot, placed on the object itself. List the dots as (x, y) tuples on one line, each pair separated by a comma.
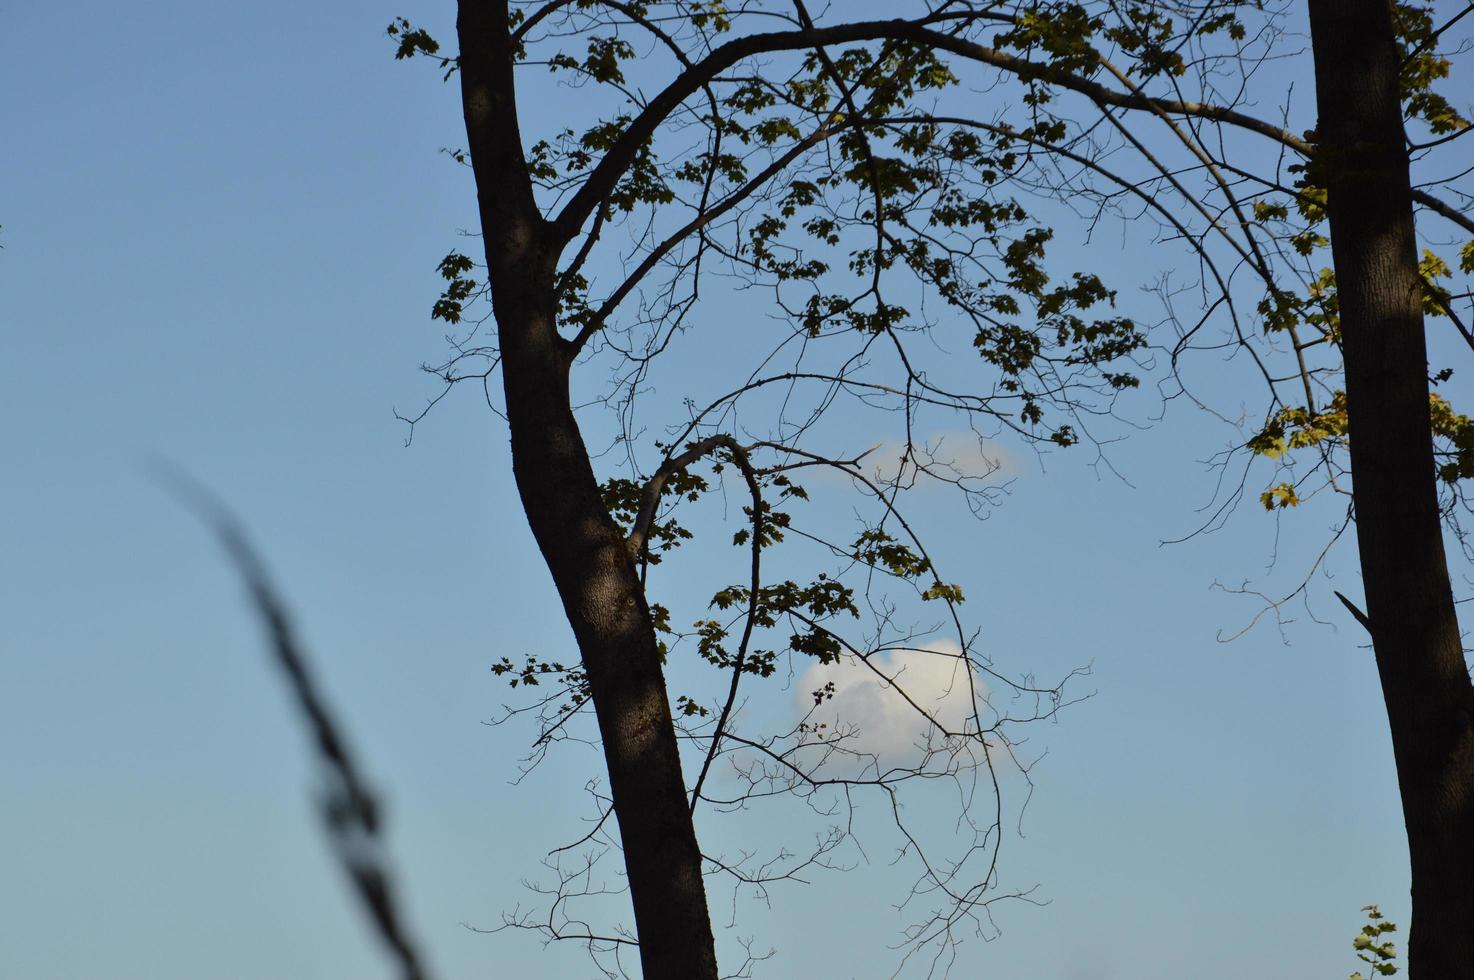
[(350, 810)]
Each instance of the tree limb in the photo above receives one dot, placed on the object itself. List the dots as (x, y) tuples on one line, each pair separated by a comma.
[(614, 163)]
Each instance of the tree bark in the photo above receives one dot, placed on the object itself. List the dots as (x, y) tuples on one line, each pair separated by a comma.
[(1409, 601), (584, 549)]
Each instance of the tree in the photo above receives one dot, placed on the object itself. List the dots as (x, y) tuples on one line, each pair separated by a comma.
[(1376, 64), (597, 566), (1363, 156), (840, 166)]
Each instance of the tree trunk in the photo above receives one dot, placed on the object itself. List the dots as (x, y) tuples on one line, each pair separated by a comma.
[(1425, 683), (584, 549)]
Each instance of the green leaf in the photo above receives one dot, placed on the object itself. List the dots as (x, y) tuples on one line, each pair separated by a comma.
[(943, 590)]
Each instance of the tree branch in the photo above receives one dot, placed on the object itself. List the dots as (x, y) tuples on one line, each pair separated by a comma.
[(650, 501), (1438, 207), (350, 810), (1361, 617), (744, 463), (705, 217), (614, 163)]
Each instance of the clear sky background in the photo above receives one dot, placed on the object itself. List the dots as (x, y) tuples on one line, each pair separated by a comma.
[(221, 224)]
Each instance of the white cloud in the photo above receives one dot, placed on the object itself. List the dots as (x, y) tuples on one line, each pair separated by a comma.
[(875, 705), (949, 455)]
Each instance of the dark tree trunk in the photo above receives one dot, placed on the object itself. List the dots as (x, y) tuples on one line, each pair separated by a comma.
[(1425, 683), (584, 549)]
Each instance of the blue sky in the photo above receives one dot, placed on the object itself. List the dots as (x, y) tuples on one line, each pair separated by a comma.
[(221, 225)]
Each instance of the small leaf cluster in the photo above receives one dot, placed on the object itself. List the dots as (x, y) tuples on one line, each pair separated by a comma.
[(685, 707), (1064, 32), (1456, 431), (1296, 428), (414, 41), (773, 522), (529, 674), (1153, 39), (1373, 947), (622, 498), (820, 600), (948, 591), (1280, 496), (601, 62), (569, 154), (1421, 66), (458, 290), (771, 528), (1437, 299), (1318, 307), (879, 549)]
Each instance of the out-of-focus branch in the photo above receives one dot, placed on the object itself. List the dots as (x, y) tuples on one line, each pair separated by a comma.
[(350, 810)]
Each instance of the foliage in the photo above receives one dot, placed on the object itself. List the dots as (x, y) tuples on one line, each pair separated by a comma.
[(903, 244), (1318, 423), (1373, 947)]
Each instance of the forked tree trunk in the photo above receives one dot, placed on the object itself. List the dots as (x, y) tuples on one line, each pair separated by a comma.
[(582, 546), (1425, 683)]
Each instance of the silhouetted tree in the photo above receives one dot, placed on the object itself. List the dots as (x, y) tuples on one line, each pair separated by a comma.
[(885, 180)]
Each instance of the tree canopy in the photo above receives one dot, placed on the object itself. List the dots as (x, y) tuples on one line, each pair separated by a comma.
[(776, 246)]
